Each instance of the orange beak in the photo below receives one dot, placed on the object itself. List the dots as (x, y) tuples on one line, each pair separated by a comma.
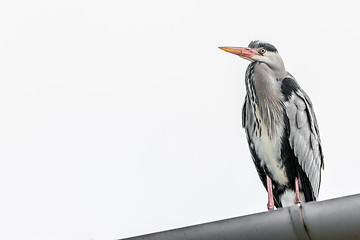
[(241, 51)]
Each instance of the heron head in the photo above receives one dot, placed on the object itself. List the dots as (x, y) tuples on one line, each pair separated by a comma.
[(259, 51)]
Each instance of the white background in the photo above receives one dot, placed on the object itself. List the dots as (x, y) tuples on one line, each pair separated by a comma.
[(120, 118)]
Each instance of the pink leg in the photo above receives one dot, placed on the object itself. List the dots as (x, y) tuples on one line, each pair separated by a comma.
[(270, 204), (297, 194)]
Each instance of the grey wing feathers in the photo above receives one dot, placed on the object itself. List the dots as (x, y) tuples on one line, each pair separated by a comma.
[(304, 137)]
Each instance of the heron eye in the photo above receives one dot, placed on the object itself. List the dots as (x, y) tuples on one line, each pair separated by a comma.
[(262, 51)]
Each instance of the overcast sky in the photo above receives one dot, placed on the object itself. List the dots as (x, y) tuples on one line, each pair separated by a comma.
[(120, 118)]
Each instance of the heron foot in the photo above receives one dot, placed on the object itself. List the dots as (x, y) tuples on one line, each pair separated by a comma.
[(297, 194), (270, 204)]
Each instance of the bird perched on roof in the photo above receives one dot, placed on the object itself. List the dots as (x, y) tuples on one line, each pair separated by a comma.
[(281, 128)]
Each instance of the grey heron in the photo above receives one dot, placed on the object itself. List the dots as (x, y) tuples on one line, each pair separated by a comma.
[(281, 128)]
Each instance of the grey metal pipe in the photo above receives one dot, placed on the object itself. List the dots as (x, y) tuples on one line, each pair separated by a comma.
[(331, 220)]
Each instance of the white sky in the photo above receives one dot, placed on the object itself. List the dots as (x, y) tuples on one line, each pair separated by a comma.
[(120, 118)]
